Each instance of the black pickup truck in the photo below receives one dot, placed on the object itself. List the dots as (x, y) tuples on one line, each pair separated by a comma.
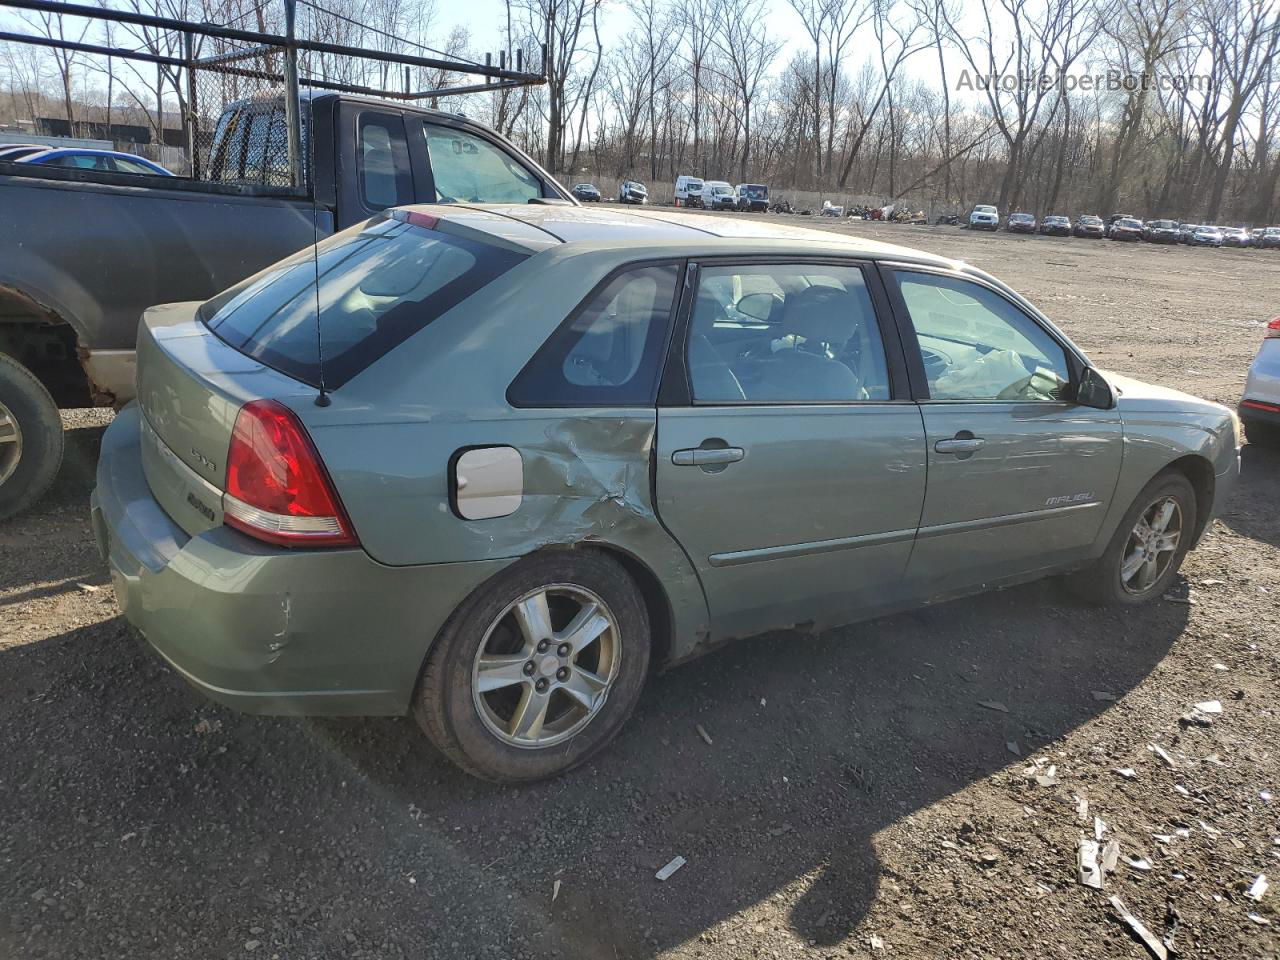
[(83, 253)]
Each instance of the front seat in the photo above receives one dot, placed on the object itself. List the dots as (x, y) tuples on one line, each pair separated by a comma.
[(817, 319)]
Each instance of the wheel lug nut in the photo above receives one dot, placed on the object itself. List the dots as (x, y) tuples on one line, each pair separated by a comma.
[(528, 668), (544, 645), (541, 685), (564, 649), (562, 673)]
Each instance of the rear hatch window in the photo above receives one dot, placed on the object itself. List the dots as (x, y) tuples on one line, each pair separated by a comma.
[(375, 285)]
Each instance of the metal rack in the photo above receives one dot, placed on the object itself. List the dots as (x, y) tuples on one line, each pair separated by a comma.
[(248, 64)]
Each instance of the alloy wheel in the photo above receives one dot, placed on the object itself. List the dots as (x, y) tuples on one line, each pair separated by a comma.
[(1152, 545), (545, 666), (10, 443)]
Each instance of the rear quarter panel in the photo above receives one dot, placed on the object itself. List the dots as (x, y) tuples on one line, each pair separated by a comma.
[(390, 435)]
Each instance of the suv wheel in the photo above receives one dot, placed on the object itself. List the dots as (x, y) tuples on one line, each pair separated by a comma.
[(31, 440), (538, 669), (1148, 547)]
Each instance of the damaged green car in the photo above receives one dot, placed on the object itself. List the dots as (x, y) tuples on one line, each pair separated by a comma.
[(492, 464)]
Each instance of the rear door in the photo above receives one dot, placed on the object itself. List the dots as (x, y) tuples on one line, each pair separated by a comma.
[(1020, 475), (791, 461)]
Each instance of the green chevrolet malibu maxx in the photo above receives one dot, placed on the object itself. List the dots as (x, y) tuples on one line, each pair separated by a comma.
[(492, 464)]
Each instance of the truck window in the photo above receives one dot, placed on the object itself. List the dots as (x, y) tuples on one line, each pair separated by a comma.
[(382, 159), (469, 169)]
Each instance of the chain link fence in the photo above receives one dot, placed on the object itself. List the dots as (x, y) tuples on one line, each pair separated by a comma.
[(237, 118)]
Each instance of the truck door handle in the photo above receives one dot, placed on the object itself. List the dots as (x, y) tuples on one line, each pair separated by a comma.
[(962, 446), (707, 456)]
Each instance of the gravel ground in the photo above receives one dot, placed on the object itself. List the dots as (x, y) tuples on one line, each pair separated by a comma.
[(855, 801)]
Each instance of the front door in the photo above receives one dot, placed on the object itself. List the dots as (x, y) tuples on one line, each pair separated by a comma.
[(793, 472), (1020, 476)]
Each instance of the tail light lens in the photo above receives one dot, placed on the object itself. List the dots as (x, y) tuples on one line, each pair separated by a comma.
[(1273, 328), (277, 489)]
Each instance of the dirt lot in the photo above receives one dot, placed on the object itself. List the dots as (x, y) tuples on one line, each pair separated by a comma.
[(856, 799)]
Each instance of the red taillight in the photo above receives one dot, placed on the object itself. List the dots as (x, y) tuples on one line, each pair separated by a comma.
[(1273, 328), (277, 488)]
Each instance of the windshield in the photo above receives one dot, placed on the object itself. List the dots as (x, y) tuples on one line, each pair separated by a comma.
[(379, 282), (720, 189), (1128, 223), (1023, 217), (756, 192), (1163, 224), (984, 208)]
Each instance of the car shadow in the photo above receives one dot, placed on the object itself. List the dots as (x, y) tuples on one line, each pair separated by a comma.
[(325, 833), (1251, 512)]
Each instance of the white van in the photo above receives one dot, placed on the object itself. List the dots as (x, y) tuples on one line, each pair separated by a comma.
[(688, 191), (718, 195)]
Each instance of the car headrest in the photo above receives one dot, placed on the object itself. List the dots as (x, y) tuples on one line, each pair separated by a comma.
[(822, 314)]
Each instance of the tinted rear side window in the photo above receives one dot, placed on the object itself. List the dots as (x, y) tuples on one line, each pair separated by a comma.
[(379, 283), (609, 352)]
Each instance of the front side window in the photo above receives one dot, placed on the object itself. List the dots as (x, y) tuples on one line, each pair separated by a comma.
[(125, 165), (380, 282), (785, 333), (976, 345), (609, 352), (470, 169)]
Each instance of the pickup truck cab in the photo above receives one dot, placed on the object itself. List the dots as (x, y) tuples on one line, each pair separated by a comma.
[(83, 253)]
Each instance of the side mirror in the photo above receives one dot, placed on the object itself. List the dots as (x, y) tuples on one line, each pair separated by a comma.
[(1094, 391), (757, 306)]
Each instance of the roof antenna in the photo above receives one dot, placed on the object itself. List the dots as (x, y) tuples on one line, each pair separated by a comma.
[(299, 171)]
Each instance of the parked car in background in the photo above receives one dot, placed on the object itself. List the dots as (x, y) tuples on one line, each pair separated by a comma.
[(71, 294), (586, 192), (718, 195), (1020, 223), (1090, 227), (1056, 226), (16, 151), (688, 191), (1236, 237), (1160, 231), (1186, 230), (984, 217), (516, 555), (1205, 236), (633, 191), (103, 161), (1126, 228), (1269, 238), (1260, 406), (753, 196), (1120, 216)]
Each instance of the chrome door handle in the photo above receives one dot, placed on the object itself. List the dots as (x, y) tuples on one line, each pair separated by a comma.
[(706, 456), (960, 445)]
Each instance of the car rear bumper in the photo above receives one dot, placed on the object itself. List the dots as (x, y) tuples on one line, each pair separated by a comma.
[(264, 629)]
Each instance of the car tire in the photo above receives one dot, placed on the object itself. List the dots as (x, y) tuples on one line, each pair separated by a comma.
[(1104, 582), (31, 440), (472, 727)]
